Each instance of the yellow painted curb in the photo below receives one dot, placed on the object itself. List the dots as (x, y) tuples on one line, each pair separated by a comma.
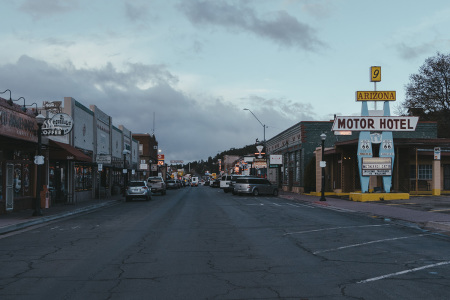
[(364, 197)]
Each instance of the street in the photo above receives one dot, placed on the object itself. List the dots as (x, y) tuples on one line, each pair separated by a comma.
[(202, 243)]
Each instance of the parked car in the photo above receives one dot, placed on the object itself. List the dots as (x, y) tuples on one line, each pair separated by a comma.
[(194, 181), (255, 186), (172, 184), (157, 184), (233, 181), (215, 183), (138, 189), (226, 180)]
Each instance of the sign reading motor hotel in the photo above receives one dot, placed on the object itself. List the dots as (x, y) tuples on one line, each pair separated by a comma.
[(387, 123)]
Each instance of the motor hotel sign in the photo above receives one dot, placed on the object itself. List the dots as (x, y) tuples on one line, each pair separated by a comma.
[(378, 123)]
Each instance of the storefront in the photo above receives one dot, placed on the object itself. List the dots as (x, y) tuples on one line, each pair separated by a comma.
[(18, 146)]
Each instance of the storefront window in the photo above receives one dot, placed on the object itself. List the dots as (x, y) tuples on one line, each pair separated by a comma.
[(425, 172), (21, 180), (83, 177)]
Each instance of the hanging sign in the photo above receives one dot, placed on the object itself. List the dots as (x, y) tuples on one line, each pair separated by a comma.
[(375, 96), (59, 124)]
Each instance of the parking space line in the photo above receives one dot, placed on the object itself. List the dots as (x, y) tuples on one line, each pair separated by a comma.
[(300, 205), (334, 228), (371, 242), (404, 272)]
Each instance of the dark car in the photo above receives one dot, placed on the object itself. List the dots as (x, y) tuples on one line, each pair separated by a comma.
[(138, 189), (215, 183), (255, 186), (171, 184)]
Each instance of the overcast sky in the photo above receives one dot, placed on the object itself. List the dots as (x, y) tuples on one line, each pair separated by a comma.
[(196, 64)]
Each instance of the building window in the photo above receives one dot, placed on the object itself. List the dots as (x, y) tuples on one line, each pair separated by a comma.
[(425, 172), (83, 177), (141, 149), (21, 185)]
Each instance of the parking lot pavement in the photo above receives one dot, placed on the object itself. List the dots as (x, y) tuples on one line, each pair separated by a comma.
[(429, 212), (12, 221)]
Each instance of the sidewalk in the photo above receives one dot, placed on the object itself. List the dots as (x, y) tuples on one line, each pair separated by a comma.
[(22, 219), (426, 211), (430, 212)]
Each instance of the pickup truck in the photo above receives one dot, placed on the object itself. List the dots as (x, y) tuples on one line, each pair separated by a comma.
[(157, 184)]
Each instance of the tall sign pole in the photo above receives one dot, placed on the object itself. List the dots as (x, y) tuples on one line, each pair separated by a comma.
[(375, 127)]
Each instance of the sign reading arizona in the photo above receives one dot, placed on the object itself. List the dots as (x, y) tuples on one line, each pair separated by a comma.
[(375, 96), (387, 123)]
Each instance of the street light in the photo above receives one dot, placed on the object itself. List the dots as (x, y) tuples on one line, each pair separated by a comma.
[(323, 136), (125, 171), (263, 125), (25, 109), (39, 161)]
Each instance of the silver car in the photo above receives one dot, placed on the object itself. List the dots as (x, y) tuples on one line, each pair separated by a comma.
[(138, 189), (255, 186)]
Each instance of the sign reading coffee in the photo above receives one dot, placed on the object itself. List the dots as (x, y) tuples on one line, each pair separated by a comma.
[(59, 124)]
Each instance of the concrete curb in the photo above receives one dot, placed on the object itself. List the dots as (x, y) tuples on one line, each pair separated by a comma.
[(44, 219), (444, 226)]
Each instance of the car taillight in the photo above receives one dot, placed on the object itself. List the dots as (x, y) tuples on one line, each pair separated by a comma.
[(144, 187)]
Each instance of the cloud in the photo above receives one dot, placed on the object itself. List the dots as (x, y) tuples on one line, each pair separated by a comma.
[(186, 128), (135, 12), (45, 8), (279, 26)]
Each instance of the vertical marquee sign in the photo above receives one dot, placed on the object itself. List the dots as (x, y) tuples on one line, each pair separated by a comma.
[(375, 129)]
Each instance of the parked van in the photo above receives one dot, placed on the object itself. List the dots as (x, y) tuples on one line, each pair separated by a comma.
[(255, 186), (194, 181)]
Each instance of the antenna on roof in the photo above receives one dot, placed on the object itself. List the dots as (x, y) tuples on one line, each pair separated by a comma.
[(153, 130)]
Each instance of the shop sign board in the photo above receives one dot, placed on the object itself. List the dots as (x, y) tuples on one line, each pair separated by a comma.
[(103, 159), (437, 153), (378, 123), (17, 125), (59, 124), (375, 95), (379, 166), (276, 159)]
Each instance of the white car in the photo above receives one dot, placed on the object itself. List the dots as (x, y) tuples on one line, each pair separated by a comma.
[(194, 181)]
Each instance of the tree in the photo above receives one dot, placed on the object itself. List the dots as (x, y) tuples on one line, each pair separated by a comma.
[(427, 93)]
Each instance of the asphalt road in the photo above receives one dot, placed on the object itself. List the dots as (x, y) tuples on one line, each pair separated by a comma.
[(200, 243)]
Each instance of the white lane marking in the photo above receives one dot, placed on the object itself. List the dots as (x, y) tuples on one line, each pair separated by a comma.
[(260, 204), (76, 227), (334, 228), (300, 205), (404, 272), (276, 204), (371, 242)]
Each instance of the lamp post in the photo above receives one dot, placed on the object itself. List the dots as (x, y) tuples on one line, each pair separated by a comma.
[(39, 161), (264, 127), (323, 136), (125, 171)]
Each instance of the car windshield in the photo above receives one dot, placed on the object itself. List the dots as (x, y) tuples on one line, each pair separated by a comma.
[(136, 183), (155, 179)]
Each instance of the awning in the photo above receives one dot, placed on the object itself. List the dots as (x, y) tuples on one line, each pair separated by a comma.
[(61, 151)]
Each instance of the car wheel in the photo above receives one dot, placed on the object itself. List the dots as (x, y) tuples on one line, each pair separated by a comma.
[(226, 191), (255, 192), (127, 199), (275, 192), (163, 192)]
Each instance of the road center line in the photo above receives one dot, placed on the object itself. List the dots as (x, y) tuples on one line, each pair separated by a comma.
[(334, 228), (404, 272), (372, 242)]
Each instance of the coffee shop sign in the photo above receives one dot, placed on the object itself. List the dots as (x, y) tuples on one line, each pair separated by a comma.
[(59, 124)]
